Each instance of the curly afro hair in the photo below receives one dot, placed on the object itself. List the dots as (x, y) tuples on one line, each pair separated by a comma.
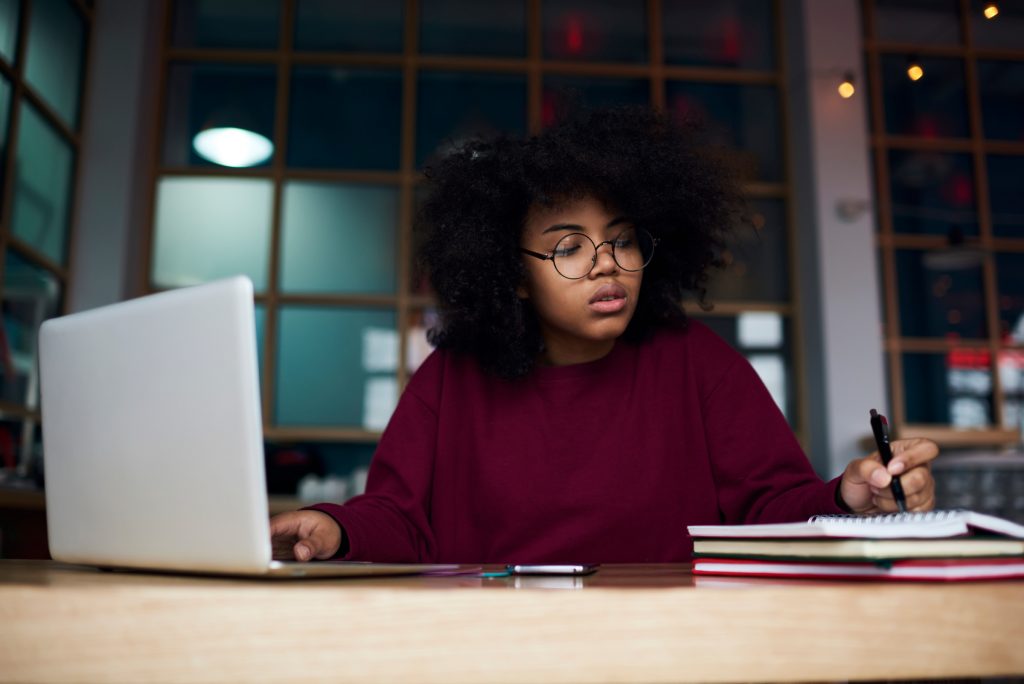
[(635, 159)]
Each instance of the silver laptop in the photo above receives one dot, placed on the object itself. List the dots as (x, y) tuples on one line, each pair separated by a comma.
[(153, 440)]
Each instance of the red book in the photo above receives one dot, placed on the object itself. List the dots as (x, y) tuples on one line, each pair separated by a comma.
[(933, 570)]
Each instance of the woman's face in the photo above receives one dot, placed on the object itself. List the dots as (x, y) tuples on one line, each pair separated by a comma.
[(579, 319)]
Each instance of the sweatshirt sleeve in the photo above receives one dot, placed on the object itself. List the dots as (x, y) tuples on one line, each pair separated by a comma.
[(390, 522), (761, 473)]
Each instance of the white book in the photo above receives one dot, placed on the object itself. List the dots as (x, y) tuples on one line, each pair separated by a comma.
[(924, 525)]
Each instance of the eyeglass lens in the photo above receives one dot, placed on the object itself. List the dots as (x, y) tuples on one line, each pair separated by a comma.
[(575, 254)]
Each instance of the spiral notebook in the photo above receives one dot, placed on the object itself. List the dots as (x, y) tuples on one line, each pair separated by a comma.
[(940, 524)]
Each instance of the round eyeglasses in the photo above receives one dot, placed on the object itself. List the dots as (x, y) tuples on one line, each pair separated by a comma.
[(575, 255)]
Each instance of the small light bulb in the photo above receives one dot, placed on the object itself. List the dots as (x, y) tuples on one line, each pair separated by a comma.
[(846, 89), (991, 10), (915, 72)]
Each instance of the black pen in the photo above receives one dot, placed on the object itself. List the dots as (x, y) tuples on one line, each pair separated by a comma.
[(880, 426)]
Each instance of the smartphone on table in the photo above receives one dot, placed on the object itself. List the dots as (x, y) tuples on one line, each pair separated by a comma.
[(553, 569)]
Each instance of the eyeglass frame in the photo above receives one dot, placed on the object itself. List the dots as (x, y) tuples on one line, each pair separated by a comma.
[(597, 246)]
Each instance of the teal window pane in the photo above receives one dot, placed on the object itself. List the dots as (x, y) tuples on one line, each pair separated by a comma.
[(253, 24), (55, 56), (565, 93), (757, 260), (933, 194), (336, 367), (469, 27), (1005, 196), (745, 118), (209, 228), (941, 293), (452, 107), (9, 28), (260, 317), (339, 238), (333, 26), (30, 296), (727, 33), (949, 389), (5, 110), (345, 118), (42, 185), (607, 31), (934, 106), (201, 97)]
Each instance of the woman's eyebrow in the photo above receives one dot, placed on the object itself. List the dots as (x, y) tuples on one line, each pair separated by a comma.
[(578, 228)]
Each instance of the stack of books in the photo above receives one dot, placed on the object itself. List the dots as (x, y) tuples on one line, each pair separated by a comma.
[(931, 546)]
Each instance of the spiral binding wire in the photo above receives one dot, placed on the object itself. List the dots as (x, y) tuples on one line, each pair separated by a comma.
[(890, 518)]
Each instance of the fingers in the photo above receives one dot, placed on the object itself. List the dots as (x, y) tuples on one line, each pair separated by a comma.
[(911, 453), (304, 535)]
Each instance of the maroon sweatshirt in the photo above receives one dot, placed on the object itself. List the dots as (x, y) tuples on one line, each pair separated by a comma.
[(606, 461)]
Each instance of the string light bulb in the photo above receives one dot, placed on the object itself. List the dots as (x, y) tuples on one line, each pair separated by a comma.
[(991, 10), (914, 69), (846, 88)]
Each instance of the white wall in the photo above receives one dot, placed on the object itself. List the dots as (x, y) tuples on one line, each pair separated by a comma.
[(839, 284)]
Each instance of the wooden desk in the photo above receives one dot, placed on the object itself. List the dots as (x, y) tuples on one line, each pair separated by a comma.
[(626, 623)]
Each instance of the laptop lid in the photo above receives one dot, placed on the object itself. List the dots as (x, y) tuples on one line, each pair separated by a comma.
[(153, 435)]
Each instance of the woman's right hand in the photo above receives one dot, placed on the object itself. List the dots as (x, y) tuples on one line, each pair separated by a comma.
[(304, 535)]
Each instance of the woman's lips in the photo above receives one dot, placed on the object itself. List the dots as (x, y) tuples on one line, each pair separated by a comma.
[(608, 299)]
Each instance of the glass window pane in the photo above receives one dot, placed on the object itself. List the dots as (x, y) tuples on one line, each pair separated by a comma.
[(1004, 195), (932, 22), (336, 367), (567, 93), (949, 389), (765, 339), (940, 293), (209, 228), (1001, 86), (260, 318), (5, 118), (204, 97), (345, 118), (55, 56), (933, 193), (1010, 285), (1002, 31), (758, 258), (1011, 379), (451, 107), (744, 118), (253, 24), (349, 26), (934, 106), (339, 238), (417, 346), (30, 296), (608, 31), (9, 28), (42, 185), (733, 33), (468, 27)]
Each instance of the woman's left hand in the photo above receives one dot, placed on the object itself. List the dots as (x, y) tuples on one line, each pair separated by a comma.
[(865, 484)]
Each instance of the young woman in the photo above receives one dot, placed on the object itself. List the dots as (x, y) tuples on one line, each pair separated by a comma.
[(571, 411)]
